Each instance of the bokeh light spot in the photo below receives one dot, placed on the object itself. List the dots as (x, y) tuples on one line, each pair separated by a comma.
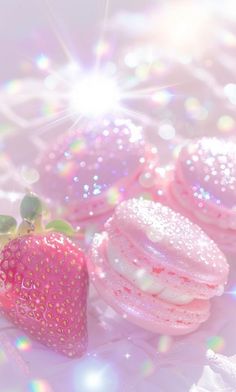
[(23, 343), (93, 375), (226, 124), (147, 368), (29, 175), (78, 145), (166, 131), (65, 168), (194, 109), (164, 344), (113, 196), (216, 343), (42, 62), (228, 38)]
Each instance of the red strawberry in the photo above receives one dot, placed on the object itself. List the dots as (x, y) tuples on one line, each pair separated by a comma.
[(43, 286)]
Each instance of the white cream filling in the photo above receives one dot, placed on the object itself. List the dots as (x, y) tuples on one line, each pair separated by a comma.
[(143, 280)]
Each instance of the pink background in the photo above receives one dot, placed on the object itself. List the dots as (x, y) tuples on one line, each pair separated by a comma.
[(126, 358)]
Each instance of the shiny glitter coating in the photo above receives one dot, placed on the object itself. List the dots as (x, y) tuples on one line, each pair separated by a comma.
[(44, 285), (163, 229), (163, 245), (89, 172), (204, 185), (162, 266)]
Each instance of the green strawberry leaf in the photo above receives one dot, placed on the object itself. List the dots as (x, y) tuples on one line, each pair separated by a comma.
[(7, 224), (61, 227), (31, 207)]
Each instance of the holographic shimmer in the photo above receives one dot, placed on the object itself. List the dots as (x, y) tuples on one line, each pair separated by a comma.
[(23, 343), (147, 368), (39, 386), (216, 343)]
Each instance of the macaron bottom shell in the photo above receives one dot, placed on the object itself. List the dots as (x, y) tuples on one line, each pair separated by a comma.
[(143, 309)]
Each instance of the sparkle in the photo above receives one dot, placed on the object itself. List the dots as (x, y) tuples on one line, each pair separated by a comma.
[(162, 97), (94, 375), (232, 292), (94, 95)]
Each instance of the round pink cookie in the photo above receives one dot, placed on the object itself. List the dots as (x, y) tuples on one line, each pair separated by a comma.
[(156, 267), (204, 187), (86, 173)]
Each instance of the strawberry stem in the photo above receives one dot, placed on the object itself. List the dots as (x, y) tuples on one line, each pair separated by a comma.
[(26, 227), (31, 211)]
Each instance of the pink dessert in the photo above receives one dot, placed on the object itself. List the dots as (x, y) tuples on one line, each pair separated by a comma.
[(156, 267), (203, 187), (86, 173), (43, 281)]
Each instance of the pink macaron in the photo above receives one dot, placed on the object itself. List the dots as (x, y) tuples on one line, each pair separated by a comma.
[(156, 267), (86, 173), (203, 187)]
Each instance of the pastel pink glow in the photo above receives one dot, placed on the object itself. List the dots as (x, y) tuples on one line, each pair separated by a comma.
[(183, 267)]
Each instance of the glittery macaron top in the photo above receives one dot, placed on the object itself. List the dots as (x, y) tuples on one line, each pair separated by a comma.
[(92, 168), (170, 238), (206, 170)]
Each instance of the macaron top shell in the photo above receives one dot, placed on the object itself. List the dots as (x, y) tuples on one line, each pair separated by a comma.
[(171, 239), (156, 267), (94, 164), (207, 169)]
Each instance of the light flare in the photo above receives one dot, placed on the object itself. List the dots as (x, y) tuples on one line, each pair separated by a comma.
[(94, 95)]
